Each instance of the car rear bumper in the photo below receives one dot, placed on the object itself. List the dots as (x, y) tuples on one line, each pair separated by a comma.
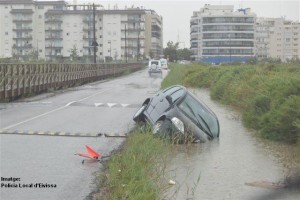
[(154, 70)]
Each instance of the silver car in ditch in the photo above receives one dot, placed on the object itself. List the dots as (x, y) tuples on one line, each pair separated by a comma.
[(175, 111)]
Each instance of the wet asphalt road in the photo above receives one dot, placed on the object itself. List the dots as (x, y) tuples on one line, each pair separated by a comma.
[(100, 107)]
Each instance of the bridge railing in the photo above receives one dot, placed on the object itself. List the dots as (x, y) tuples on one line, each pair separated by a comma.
[(18, 80)]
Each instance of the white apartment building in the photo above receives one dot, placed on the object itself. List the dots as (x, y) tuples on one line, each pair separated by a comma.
[(220, 34), (50, 30), (277, 38), (154, 37)]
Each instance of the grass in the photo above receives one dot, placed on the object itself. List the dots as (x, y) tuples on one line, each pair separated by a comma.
[(137, 171), (267, 95)]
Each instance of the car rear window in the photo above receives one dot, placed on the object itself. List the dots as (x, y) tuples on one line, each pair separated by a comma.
[(154, 62)]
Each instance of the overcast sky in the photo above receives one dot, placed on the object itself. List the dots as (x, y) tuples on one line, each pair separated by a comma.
[(177, 14)]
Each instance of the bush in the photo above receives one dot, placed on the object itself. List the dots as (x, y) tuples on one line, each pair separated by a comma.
[(266, 94), (281, 124)]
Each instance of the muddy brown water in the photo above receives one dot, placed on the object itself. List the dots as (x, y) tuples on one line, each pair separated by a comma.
[(224, 166)]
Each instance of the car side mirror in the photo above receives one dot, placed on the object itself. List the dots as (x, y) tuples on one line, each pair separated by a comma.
[(169, 99)]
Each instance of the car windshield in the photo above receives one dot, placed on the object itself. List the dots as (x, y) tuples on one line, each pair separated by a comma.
[(200, 114)]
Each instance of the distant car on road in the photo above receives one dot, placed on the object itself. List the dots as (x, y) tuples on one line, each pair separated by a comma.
[(164, 63), (176, 113), (154, 66)]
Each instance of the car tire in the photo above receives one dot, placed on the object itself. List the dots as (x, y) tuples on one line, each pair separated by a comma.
[(139, 115), (162, 128)]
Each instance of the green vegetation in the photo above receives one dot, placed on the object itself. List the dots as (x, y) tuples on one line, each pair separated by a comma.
[(137, 171), (173, 53), (268, 95)]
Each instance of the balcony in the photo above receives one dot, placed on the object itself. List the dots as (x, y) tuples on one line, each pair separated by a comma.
[(54, 20), (25, 46), (53, 38), (54, 30), (156, 24), (54, 47), (22, 29), (130, 20), (133, 29), (141, 37), (23, 20), (22, 11), (28, 37)]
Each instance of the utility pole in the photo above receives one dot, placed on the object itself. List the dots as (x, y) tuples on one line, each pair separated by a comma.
[(95, 44), (37, 46), (125, 45), (138, 46)]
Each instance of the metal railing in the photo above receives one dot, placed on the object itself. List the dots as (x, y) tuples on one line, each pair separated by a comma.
[(17, 80)]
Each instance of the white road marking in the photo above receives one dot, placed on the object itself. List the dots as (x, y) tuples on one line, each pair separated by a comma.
[(52, 111), (124, 105), (98, 104), (111, 104)]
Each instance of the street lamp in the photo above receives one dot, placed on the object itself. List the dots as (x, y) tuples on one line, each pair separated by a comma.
[(109, 42)]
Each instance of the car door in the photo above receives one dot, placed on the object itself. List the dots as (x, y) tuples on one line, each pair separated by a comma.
[(161, 104), (154, 101)]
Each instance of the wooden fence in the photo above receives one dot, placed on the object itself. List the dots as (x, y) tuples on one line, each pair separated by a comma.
[(18, 80)]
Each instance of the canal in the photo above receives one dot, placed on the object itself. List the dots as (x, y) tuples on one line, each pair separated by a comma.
[(222, 168)]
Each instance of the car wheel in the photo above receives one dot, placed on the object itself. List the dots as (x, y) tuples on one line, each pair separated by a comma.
[(139, 115), (165, 130), (162, 128)]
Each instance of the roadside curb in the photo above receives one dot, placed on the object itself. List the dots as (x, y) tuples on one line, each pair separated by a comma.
[(61, 133)]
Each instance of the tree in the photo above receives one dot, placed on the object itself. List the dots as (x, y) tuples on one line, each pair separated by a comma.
[(170, 51), (74, 53), (184, 54)]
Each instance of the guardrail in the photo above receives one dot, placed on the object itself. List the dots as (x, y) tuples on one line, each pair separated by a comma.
[(17, 80)]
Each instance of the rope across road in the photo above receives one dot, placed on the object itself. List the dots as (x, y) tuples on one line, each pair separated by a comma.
[(61, 133)]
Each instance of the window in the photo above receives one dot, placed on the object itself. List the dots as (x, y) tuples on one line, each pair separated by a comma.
[(176, 95), (68, 34), (200, 115), (58, 7), (40, 16), (6, 33), (40, 7)]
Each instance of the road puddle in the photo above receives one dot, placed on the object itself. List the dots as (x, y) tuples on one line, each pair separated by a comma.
[(221, 168)]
